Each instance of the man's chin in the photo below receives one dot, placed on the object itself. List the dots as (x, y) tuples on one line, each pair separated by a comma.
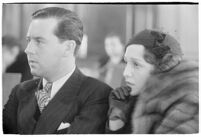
[(35, 73)]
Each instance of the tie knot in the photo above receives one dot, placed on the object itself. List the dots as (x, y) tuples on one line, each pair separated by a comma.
[(48, 87), (43, 96)]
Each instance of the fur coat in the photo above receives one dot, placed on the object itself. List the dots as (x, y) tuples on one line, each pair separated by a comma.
[(169, 103)]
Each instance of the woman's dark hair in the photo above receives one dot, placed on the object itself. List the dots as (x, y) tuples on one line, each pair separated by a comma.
[(163, 51), (69, 25)]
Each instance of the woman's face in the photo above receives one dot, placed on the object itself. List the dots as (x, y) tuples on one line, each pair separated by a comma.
[(137, 70)]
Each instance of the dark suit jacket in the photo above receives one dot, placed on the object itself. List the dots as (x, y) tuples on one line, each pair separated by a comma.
[(82, 102)]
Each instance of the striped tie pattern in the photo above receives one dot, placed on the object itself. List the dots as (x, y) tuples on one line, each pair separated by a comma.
[(43, 96)]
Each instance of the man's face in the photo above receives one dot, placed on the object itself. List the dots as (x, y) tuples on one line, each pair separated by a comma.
[(113, 46), (44, 50), (137, 70)]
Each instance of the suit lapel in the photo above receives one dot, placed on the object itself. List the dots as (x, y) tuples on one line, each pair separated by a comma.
[(60, 106), (27, 108)]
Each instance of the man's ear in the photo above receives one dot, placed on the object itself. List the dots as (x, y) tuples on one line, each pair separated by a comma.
[(69, 47)]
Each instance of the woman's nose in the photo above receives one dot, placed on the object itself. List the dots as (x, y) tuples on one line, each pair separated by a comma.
[(127, 71)]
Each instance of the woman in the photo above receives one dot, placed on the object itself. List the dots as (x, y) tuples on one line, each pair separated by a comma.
[(161, 92)]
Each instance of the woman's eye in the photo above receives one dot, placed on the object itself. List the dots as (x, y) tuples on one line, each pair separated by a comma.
[(136, 64)]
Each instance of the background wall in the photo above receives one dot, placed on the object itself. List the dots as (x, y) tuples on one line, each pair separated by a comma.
[(99, 19), (181, 21)]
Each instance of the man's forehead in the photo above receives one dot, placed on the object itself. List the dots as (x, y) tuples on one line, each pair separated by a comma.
[(52, 19), (38, 27)]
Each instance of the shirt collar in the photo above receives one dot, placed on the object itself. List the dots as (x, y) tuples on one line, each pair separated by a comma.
[(56, 85)]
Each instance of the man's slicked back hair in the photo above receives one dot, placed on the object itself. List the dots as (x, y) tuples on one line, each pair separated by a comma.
[(69, 25)]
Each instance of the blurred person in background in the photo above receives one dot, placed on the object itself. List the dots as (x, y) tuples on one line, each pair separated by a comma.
[(10, 51), (14, 59), (161, 95), (113, 61), (62, 100)]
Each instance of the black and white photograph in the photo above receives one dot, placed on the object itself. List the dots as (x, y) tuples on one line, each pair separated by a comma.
[(100, 68)]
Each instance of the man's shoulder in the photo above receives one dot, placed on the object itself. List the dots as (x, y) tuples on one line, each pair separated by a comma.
[(96, 86), (93, 82)]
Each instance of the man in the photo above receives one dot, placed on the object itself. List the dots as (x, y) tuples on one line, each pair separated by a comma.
[(63, 100)]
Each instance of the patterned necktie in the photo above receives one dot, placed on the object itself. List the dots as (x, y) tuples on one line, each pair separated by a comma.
[(43, 96)]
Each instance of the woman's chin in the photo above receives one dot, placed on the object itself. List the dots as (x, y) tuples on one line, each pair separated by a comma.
[(134, 93)]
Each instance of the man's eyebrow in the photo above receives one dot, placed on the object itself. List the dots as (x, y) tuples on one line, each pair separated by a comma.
[(37, 38), (28, 37)]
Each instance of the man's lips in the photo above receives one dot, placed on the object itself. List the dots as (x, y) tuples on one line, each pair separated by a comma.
[(32, 61)]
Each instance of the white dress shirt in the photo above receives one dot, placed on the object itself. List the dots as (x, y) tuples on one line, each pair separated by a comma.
[(56, 85)]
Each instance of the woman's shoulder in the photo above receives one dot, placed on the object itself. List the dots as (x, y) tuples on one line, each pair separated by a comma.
[(181, 84)]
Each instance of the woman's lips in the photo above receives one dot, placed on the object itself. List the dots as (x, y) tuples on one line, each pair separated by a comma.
[(129, 83)]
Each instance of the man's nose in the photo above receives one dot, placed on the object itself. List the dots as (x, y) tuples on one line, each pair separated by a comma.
[(30, 49)]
